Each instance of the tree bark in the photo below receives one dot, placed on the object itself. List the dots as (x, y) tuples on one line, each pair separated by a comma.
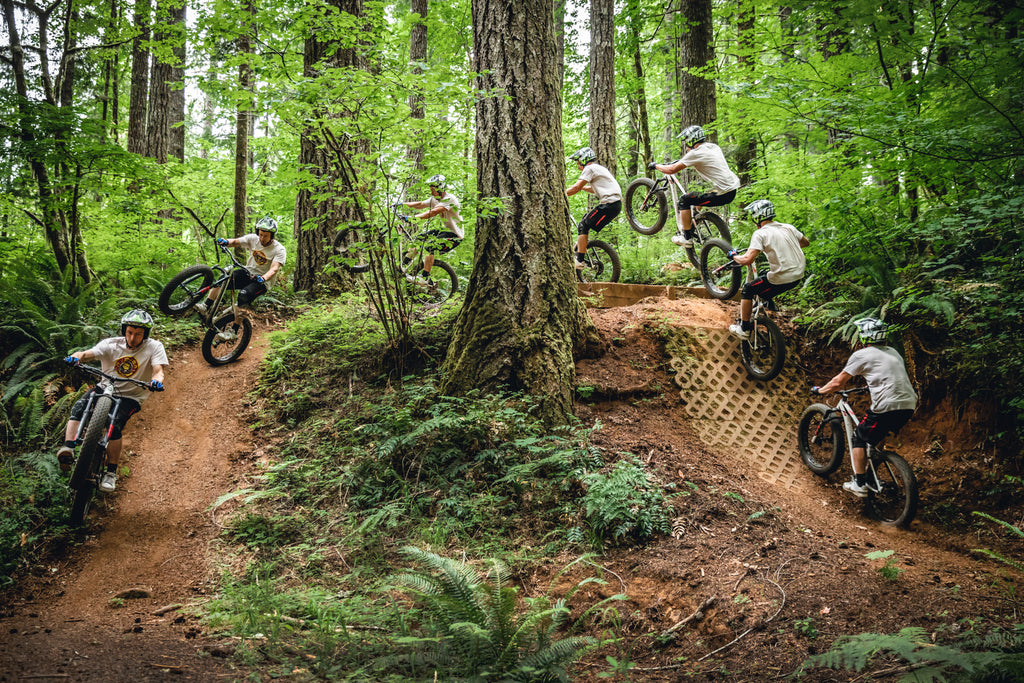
[(418, 55), (602, 82), (697, 51), (158, 111), (139, 91), (242, 114), (522, 317), (176, 99)]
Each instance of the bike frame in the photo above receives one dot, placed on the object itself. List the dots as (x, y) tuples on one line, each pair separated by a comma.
[(677, 190), (225, 285), (850, 422)]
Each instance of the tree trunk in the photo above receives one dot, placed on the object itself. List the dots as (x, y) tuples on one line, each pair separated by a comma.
[(327, 161), (602, 82), (417, 55), (697, 51), (746, 153), (158, 114), (640, 131), (176, 111), (139, 92), (242, 114), (522, 317)]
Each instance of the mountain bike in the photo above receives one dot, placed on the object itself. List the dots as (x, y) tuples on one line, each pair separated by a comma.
[(353, 249), (601, 261), (893, 489), (647, 211), (764, 353), (228, 329), (93, 436)]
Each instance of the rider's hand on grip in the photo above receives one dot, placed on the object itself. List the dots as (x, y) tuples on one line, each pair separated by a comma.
[(733, 253), (652, 165), (222, 242), (397, 205), (815, 391), (259, 279), (156, 386), (71, 360)]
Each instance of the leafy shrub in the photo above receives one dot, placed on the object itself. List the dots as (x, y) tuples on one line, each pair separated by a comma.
[(625, 504)]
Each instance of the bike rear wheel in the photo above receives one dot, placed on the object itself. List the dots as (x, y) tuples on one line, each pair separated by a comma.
[(185, 289), (765, 353), (646, 211), (227, 340), (820, 438), (351, 250), (724, 283), (602, 263), (706, 226), (896, 503), (90, 459), (444, 282)]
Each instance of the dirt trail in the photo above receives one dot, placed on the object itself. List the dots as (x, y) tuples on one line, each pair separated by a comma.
[(153, 534)]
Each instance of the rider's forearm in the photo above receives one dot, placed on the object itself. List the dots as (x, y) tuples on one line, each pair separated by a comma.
[(670, 169), (158, 374), (84, 355), (836, 382)]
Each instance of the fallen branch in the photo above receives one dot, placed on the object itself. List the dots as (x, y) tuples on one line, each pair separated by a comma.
[(696, 616)]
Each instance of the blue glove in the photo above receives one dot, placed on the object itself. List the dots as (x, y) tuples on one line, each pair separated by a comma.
[(71, 360), (259, 279), (156, 386), (652, 164), (397, 205), (733, 253), (815, 391), (222, 242)]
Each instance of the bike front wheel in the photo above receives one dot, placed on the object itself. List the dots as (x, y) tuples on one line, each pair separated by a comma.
[(185, 289), (765, 352), (444, 282), (601, 263), (706, 226), (646, 210), (90, 459), (350, 248), (821, 439), (227, 340), (720, 274), (895, 504)]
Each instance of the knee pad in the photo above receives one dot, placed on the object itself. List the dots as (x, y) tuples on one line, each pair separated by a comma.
[(245, 297)]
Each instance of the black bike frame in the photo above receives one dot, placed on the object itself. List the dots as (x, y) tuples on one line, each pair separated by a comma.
[(87, 416)]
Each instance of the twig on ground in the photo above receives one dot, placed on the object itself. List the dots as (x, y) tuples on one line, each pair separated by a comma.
[(696, 616)]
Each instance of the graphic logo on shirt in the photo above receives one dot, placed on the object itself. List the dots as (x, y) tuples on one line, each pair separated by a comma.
[(126, 366), (259, 257)]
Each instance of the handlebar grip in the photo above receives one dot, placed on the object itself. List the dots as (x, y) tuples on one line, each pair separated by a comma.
[(652, 165)]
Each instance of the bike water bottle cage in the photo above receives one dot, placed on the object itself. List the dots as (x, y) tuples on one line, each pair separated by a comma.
[(760, 210), (872, 330), (137, 318), (583, 156), (692, 135), (267, 224)]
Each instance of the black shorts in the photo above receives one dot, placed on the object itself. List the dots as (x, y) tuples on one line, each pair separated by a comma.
[(763, 288), (873, 428), (247, 286), (599, 217), (129, 406), (437, 241), (705, 199)]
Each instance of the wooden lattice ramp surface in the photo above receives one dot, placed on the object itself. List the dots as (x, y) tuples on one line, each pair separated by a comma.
[(734, 414)]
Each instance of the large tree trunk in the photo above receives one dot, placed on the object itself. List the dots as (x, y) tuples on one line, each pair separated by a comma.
[(417, 55), (640, 130), (139, 92), (158, 114), (242, 114), (318, 220), (522, 317), (697, 51), (602, 82), (176, 112)]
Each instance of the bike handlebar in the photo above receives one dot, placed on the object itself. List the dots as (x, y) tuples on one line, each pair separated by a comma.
[(845, 393), (89, 369)]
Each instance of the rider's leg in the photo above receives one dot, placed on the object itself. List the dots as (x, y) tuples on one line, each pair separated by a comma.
[(860, 460), (746, 307), (113, 452), (581, 243), (428, 263), (686, 219)]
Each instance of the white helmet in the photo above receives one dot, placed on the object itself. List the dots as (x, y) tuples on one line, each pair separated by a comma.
[(872, 330), (760, 210), (691, 135)]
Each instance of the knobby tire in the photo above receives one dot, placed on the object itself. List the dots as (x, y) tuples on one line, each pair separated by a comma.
[(820, 437), (649, 219), (185, 290), (351, 249), (896, 504), (714, 254), (90, 460), (602, 263), (765, 362), (705, 227), (226, 351), (446, 286)]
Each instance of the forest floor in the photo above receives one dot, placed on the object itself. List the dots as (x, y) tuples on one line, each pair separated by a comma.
[(761, 575)]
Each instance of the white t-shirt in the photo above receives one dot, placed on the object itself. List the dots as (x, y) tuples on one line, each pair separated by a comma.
[(451, 218), (780, 242), (709, 162), (260, 257), (602, 182), (886, 374), (117, 359)]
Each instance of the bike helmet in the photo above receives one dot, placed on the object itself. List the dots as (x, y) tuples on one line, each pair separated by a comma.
[(137, 318), (583, 156), (691, 135), (267, 224), (437, 181), (760, 210), (872, 330)]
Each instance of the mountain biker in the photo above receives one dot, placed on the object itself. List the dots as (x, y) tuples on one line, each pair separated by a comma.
[(707, 159), (446, 205), (133, 355), (266, 256), (783, 245), (598, 181), (893, 398)]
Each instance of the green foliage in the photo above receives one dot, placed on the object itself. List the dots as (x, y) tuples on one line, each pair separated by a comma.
[(1010, 528), (625, 504), (475, 627), (926, 661), (806, 628), (889, 570)]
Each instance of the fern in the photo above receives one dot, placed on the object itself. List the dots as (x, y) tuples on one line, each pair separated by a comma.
[(1019, 566)]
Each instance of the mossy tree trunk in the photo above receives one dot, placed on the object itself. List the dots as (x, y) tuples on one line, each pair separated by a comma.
[(522, 316)]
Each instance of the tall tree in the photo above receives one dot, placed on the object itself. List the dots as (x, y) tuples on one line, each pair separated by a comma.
[(243, 113), (602, 82), (417, 55), (640, 151), (696, 57), (522, 317), (139, 90)]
